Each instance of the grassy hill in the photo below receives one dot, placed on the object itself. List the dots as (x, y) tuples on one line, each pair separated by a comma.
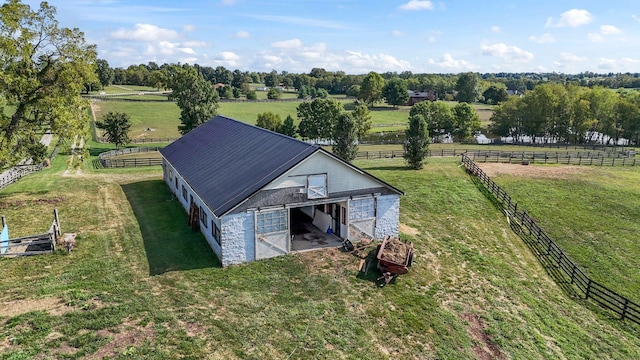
[(141, 285)]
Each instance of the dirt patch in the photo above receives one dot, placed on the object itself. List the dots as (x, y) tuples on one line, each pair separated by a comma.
[(19, 203), (52, 305), (395, 251), (406, 229), (484, 348), (129, 335), (536, 171)]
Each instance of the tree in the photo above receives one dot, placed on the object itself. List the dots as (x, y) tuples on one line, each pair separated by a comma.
[(437, 115), (345, 139), (251, 95), (318, 117), (269, 121), (468, 87), (288, 128), (416, 147), (274, 94), (104, 72), (371, 88), (44, 70), (115, 126), (395, 91), (495, 94), (507, 119), (353, 90), (362, 118), (196, 97), (271, 79), (223, 75), (467, 121)]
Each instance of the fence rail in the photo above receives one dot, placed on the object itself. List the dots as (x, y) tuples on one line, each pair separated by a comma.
[(565, 271), (107, 161), (601, 158), (16, 173)]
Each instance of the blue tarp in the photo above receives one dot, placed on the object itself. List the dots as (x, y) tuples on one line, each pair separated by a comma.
[(4, 239)]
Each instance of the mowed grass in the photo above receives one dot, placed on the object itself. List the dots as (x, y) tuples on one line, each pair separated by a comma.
[(141, 285), (593, 215), (162, 118)]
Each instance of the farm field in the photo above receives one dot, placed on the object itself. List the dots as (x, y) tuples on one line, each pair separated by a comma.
[(591, 212), (141, 284)]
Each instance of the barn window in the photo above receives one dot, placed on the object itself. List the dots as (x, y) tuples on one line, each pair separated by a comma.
[(184, 192), (317, 186), (203, 217), (361, 209), (176, 182), (215, 232), (271, 221), (170, 174)]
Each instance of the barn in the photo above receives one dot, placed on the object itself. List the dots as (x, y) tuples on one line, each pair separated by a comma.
[(257, 194)]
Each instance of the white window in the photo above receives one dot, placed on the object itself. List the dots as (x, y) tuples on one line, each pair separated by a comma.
[(271, 221), (317, 186), (362, 209)]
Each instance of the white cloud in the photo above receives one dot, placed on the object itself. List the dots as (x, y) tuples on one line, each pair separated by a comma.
[(287, 44), (569, 57), (397, 33), (448, 62), (144, 32), (609, 30), (506, 52), (194, 44), (496, 29), (543, 39), (595, 37), (188, 28), (228, 55), (242, 35), (417, 5), (606, 63), (635, 18), (571, 18)]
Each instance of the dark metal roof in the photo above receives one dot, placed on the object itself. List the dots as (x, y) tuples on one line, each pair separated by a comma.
[(225, 161)]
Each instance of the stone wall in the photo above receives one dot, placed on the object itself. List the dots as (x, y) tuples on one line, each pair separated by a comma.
[(388, 216), (238, 238)]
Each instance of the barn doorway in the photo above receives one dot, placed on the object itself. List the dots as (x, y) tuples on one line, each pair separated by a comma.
[(312, 227)]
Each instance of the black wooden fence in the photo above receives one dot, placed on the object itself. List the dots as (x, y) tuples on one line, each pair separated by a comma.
[(598, 158), (107, 158), (566, 272)]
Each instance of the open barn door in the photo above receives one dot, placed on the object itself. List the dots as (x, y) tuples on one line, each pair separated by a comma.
[(272, 233)]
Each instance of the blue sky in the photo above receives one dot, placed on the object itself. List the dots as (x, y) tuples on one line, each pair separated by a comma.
[(357, 36)]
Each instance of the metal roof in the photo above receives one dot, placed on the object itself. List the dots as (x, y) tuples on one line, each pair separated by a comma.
[(225, 161)]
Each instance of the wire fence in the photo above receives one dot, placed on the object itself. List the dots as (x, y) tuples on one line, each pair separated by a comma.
[(566, 273)]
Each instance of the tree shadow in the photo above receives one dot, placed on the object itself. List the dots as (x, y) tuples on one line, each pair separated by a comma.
[(169, 243)]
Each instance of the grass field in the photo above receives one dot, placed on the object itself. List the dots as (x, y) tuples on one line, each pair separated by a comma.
[(141, 285)]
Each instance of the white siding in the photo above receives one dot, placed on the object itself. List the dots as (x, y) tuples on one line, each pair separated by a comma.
[(340, 177), (238, 238)]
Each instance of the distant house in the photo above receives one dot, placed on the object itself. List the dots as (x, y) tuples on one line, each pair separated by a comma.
[(418, 96), (256, 194)]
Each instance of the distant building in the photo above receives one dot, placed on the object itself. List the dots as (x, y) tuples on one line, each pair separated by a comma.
[(418, 96)]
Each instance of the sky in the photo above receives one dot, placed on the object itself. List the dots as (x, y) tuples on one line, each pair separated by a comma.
[(359, 36)]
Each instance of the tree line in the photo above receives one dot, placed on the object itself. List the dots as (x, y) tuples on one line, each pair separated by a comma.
[(569, 114)]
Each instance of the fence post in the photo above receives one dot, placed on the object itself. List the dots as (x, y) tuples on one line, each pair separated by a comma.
[(573, 273), (586, 295), (624, 309)]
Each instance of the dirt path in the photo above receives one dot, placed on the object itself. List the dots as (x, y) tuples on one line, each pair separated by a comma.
[(534, 171)]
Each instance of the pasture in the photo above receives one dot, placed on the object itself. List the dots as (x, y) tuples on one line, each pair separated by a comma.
[(141, 284)]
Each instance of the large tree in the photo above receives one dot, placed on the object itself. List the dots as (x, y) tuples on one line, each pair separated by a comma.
[(196, 97), (44, 69), (467, 121), (362, 118), (371, 88), (468, 87), (115, 127), (345, 139), (395, 92), (269, 121), (318, 117), (416, 147), (104, 72), (438, 116)]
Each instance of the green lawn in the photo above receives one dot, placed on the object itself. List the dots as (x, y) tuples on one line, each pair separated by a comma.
[(142, 285)]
